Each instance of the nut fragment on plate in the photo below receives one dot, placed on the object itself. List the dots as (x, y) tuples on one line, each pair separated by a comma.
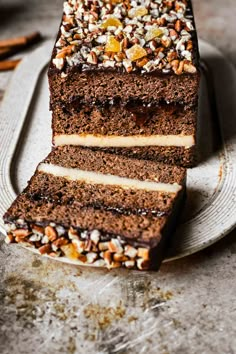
[(138, 11), (131, 29)]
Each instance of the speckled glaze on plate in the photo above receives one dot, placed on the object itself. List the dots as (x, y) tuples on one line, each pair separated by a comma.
[(25, 136)]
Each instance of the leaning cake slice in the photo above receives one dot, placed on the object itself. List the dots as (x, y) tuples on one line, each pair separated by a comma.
[(98, 209)]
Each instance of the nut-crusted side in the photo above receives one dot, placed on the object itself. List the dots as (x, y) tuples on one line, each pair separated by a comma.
[(146, 35), (88, 247)]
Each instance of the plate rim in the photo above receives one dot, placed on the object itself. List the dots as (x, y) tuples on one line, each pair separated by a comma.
[(32, 65)]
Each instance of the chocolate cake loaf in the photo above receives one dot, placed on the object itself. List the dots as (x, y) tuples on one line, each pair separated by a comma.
[(164, 133), (124, 77), (98, 209), (139, 51)]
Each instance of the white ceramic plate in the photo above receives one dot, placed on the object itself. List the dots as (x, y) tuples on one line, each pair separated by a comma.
[(210, 212)]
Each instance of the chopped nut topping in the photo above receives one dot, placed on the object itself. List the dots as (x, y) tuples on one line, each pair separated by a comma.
[(138, 11), (59, 63), (130, 251), (86, 246), (100, 263), (107, 256), (115, 265), (103, 246), (95, 236), (21, 233), (60, 242), (91, 257), (92, 58), (10, 227), (143, 253), (72, 234), (45, 239), (114, 246), (35, 238), (9, 238), (120, 257), (189, 68), (79, 245), (141, 62), (129, 264), (142, 264), (45, 249), (92, 30), (51, 233), (82, 258), (38, 230)]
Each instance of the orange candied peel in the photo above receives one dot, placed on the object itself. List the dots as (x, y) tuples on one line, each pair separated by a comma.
[(112, 45), (152, 33), (135, 52), (111, 21), (139, 11), (70, 251)]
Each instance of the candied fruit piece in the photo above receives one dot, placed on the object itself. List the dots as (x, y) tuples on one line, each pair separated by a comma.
[(69, 251), (153, 33), (138, 11), (111, 21), (112, 45), (135, 52)]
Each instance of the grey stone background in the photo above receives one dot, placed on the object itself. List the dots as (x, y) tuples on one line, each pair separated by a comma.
[(188, 307)]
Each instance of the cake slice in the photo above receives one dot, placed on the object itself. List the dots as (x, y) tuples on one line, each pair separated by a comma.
[(139, 51), (166, 133), (98, 209)]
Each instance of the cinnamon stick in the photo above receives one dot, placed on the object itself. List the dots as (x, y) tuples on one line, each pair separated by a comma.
[(20, 41), (9, 64), (6, 52)]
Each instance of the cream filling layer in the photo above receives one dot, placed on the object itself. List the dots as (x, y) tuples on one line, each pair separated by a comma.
[(124, 141), (75, 174)]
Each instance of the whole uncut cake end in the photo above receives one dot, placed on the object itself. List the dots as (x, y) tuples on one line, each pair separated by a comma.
[(128, 50)]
